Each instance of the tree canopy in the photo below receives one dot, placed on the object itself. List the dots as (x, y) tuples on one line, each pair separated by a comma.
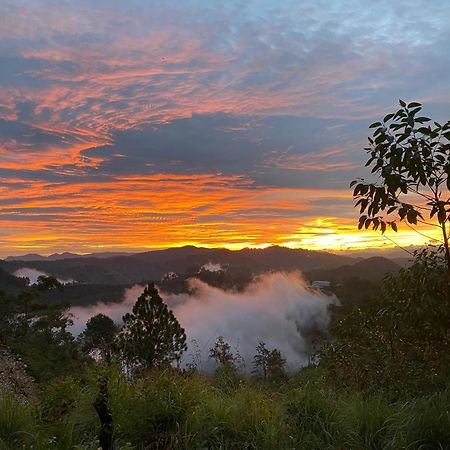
[(99, 334)]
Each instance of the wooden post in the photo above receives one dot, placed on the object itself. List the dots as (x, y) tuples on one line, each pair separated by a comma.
[(101, 406)]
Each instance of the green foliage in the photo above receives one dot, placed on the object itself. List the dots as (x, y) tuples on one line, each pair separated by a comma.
[(314, 416), (39, 333), (151, 335), (17, 427), (410, 155), (226, 375), (423, 423), (268, 364), (148, 412), (99, 334), (397, 342), (221, 352), (367, 422), (66, 411), (165, 409)]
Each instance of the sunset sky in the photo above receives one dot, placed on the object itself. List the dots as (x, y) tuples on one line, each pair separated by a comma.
[(150, 124)]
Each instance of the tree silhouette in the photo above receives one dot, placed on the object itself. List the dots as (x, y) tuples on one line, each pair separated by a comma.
[(411, 156), (99, 334), (268, 363), (151, 335), (221, 352)]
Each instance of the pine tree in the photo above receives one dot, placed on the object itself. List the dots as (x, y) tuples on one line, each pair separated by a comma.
[(151, 335)]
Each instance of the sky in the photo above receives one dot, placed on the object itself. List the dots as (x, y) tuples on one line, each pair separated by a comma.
[(150, 124)]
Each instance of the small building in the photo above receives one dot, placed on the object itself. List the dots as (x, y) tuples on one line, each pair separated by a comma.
[(320, 284)]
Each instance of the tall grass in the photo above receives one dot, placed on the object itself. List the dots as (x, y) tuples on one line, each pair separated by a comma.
[(423, 423), (169, 410), (17, 427)]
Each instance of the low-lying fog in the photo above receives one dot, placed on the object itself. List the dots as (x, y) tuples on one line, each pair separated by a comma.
[(277, 308), (34, 274)]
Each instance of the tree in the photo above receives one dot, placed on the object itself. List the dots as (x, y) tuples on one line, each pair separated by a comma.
[(99, 334), (39, 332), (268, 363), (151, 335), (226, 374), (221, 352), (411, 156)]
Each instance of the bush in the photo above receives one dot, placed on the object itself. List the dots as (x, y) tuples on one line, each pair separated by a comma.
[(397, 343)]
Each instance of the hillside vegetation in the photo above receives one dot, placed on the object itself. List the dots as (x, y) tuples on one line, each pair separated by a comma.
[(380, 382)]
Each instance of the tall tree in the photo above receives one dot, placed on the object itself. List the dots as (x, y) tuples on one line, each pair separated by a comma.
[(411, 156), (151, 335)]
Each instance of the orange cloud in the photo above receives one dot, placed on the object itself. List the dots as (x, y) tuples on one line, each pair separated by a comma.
[(163, 210)]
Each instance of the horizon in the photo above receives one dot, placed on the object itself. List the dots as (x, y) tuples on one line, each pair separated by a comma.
[(148, 126), (388, 252)]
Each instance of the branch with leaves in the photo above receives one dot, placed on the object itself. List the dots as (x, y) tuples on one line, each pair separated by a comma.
[(410, 154)]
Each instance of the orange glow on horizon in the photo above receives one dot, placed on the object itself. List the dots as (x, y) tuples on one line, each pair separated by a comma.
[(166, 210)]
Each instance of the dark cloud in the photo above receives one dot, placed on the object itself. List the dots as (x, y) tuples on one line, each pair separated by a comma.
[(230, 145)]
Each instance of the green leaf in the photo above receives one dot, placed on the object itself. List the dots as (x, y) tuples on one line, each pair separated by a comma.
[(375, 125), (422, 119), (402, 103), (414, 105), (424, 130)]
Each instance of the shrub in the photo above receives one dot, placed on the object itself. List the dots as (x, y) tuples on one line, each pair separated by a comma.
[(398, 341)]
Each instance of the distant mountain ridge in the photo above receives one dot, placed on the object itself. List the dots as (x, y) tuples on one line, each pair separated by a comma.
[(104, 279), (152, 265), (373, 269), (65, 255)]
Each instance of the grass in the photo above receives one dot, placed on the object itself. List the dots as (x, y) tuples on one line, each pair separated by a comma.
[(17, 427), (169, 410)]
